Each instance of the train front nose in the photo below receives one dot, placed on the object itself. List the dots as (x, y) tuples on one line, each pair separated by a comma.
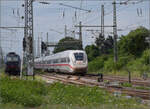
[(80, 67), (80, 62), (80, 70), (13, 67)]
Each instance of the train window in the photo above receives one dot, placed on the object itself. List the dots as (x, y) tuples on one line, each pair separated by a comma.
[(15, 59), (79, 56), (9, 59), (49, 62), (52, 61), (63, 60), (59, 60), (12, 58), (68, 60), (55, 61)]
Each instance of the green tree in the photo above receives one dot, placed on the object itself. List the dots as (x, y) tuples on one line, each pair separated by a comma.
[(68, 43), (108, 45), (100, 41), (105, 45), (134, 43), (92, 52)]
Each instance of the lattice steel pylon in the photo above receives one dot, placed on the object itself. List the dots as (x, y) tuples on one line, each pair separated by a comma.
[(1, 52), (28, 34), (1, 57)]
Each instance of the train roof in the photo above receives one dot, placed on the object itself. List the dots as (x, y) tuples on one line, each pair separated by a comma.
[(12, 54), (60, 54)]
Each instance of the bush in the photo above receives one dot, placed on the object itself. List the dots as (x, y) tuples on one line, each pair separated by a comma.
[(134, 43), (145, 59), (140, 65), (92, 52), (109, 65), (97, 64), (26, 93)]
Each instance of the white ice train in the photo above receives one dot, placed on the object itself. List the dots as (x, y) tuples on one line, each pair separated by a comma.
[(70, 61)]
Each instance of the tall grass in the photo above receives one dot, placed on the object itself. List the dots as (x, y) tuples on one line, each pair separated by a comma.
[(26, 93), (83, 96)]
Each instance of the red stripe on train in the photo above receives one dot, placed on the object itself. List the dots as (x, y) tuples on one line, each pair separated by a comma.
[(55, 65)]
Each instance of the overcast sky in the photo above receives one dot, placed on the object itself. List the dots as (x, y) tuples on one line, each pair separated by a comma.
[(53, 17)]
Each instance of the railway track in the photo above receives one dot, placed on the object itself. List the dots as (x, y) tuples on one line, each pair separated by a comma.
[(69, 79), (121, 79), (134, 81)]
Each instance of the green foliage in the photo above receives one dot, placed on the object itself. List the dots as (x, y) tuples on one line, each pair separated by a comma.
[(126, 84), (142, 87), (100, 41), (104, 44), (85, 96), (33, 93), (92, 52), (145, 59), (133, 53), (26, 93), (109, 65), (141, 64), (68, 43), (72, 95), (97, 64), (134, 43)]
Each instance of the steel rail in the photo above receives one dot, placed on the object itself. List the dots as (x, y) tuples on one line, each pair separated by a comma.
[(144, 94)]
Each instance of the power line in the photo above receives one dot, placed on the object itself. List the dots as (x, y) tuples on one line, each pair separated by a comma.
[(75, 0), (108, 13), (74, 7)]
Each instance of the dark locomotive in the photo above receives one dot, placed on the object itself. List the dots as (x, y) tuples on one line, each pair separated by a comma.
[(12, 64)]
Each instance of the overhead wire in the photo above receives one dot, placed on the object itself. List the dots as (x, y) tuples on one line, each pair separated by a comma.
[(81, 0), (112, 11), (91, 20)]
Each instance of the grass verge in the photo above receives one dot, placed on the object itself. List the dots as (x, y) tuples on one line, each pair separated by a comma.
[(26, 93), (20, 94)]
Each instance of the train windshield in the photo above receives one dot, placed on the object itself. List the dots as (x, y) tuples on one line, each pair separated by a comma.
[(12, 59), (79, 56)]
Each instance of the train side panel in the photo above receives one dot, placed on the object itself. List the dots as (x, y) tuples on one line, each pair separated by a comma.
[(73, 61)]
